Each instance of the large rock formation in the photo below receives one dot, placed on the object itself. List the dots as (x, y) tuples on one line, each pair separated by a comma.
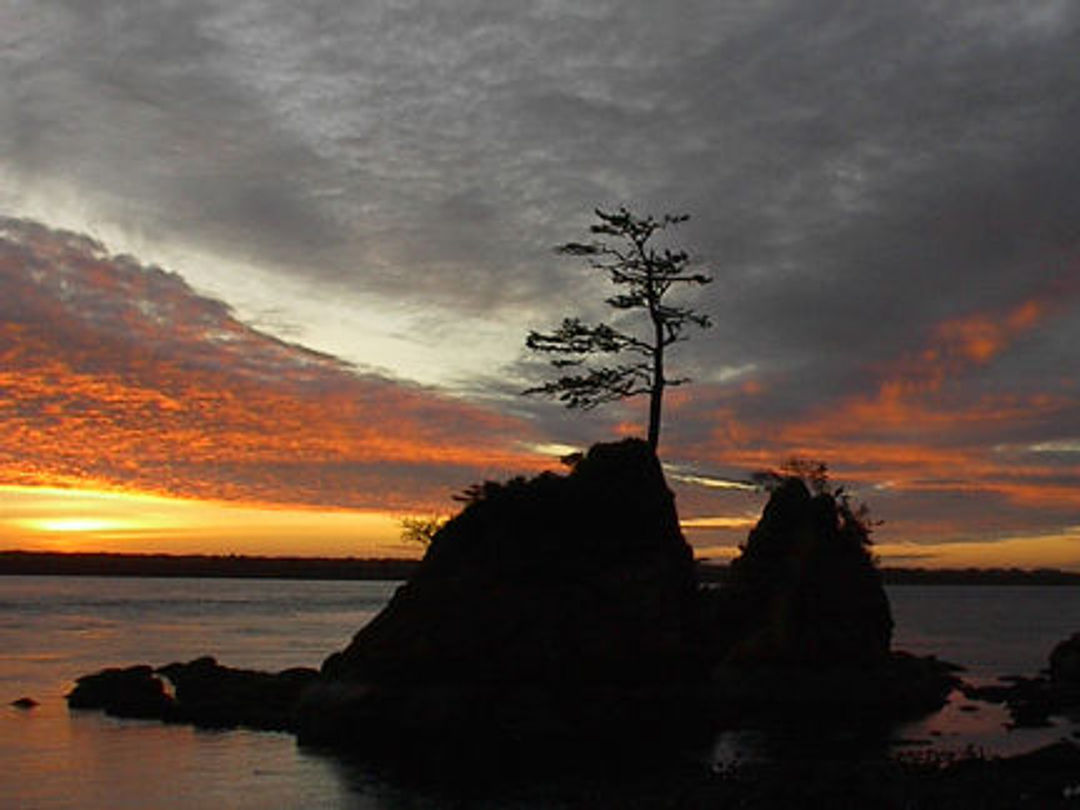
[(805, 589), (803, 625), (539, 611)]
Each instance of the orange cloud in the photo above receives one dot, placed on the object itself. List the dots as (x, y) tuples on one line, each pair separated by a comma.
[(119, 375), (922, 432)]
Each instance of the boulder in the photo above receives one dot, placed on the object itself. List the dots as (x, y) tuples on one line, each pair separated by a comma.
[(1065, 668), (212, 696), (202, 693), (543, 610), (123, 692), (1033, 701)]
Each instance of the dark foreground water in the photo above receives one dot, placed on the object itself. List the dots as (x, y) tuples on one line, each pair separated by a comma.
[(53, 629)]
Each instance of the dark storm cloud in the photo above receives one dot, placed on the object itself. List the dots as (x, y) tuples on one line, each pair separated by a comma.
[(820, 144)]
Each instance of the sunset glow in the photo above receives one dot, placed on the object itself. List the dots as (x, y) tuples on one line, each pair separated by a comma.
[(287, 292), (78, 525), (49, 519)]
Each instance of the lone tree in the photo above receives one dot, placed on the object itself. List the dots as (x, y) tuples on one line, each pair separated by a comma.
[(644, 275)]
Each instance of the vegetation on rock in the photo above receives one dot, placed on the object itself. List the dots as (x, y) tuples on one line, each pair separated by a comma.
[(644, 275)]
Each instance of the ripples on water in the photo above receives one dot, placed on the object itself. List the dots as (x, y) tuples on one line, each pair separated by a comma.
[(53, 629)]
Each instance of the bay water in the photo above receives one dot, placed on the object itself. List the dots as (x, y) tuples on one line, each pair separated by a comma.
[(53, 629)]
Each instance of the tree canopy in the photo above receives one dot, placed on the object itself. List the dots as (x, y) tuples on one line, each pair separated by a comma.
[(623, 249)]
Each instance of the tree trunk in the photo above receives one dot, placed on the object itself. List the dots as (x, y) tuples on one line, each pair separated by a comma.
[(656, 395)]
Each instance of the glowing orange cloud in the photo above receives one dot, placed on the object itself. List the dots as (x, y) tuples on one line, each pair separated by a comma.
[(920, 433), (118, 375)]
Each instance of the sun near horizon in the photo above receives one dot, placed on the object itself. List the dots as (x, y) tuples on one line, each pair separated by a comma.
[(73, 520), (89, 520)]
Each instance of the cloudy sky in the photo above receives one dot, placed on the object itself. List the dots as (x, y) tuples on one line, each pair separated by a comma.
[(284, 255)]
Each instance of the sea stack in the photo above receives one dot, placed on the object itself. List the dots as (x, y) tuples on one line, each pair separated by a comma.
[(806, 587), (540, 612)]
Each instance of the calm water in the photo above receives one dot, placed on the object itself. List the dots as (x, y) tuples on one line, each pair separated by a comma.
[(53, 629)]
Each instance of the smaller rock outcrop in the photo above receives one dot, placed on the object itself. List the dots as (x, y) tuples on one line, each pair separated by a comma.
[(1031, 701), (123, 692), (1065, 668), (212, 696), (805, 589), (24, 703), (202, 693), (803, 625)]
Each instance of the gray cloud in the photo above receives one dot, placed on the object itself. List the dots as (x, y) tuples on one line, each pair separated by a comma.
[(814, 141)]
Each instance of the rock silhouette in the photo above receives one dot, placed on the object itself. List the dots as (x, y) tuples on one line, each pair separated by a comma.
[(1032, 701), (123, 692), (803, 625), (1065, 667), (805, 589), (203, 693), (536, 611), (564, 611), (213, 696)]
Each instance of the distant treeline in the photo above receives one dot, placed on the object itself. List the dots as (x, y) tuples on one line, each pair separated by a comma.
[(200, 565), (709, 572), (980, 576), (48, 563)]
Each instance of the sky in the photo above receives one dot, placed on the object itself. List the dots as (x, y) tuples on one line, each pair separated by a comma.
[(266, 268)]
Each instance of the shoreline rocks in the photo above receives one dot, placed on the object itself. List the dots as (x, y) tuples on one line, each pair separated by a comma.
[(200, 692), (133, 692), (1031, 702)]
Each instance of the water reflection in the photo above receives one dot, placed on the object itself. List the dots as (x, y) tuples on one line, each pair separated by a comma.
[(542, 782), (54, 630)]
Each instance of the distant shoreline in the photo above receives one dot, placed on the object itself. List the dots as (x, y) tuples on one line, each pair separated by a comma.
[(205, 566), (49, 563)]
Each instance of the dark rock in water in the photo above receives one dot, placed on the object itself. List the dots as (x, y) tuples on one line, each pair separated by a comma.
[(550, 608), (805, 589), (1032, 701), (212, 696), (128, 692), (205, 694), (24, 703), (803, 627), (1065, 667)]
